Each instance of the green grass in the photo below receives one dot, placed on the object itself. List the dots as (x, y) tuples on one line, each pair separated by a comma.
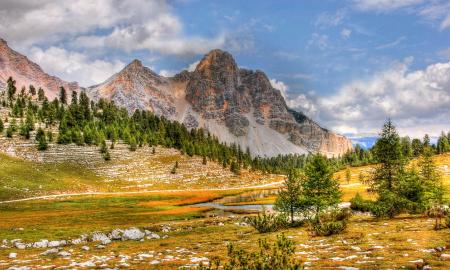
[(20, 178)]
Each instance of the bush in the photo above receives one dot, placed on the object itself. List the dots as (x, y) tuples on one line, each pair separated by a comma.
[(266, 222), (357, 203), (389, 205), (330, 223), (276, 256)]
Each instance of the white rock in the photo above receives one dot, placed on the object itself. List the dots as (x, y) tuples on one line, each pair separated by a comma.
[(445, 256), (116, 234), (41, 244), (166, 229), (19, 245), (153, 236), (64, 254), (12, 255), (101, 237), (133, 234), (155, 262), (50, 251), (54, 244), (85, 248)]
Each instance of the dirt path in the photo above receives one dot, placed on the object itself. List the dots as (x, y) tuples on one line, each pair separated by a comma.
[(49, 197)]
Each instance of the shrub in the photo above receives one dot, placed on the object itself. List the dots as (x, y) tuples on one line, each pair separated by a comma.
[(389, 205), (357, 203), (330, 223), (276, 256), (266, 222)]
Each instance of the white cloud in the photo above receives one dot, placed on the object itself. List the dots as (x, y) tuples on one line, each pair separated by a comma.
[(330, 19), (192, 66), (167, 73), (74, 66), (318, 41), (384, 5), (412, 99), (346, 33), (431, 10), (280, 86), (391, 44), (128, 25)]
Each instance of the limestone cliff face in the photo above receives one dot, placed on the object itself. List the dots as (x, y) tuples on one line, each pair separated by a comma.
[(236, 105), (219, 90), (25, 72), (136, 87)]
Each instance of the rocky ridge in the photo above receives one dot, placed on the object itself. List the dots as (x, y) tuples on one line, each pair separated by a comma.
[(25, 73), (236, 105)]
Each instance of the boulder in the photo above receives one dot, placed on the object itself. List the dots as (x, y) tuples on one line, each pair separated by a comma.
[(50, 251), (41, 244), (101, 237), (116, 234), (132, 234)]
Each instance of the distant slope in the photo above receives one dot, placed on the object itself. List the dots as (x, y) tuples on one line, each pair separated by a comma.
[(25, 72)]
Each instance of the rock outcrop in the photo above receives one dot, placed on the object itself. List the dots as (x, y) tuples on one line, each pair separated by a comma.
[(26, 73)]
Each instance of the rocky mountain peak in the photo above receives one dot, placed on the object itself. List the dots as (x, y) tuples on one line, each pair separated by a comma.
[(25, 72), (215, 62)]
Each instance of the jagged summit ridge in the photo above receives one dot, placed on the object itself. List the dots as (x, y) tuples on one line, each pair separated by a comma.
[(236, 105)]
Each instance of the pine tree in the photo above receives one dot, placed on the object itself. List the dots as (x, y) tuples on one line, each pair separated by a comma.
[(133, 144), (319, 190), (41, 94), (32, 90), (348, 175), (41, 139), (288, 200), (11, 89), (434, 197), (62, 95), (416, 147), (442, 144), (2, 126), (388, 153)]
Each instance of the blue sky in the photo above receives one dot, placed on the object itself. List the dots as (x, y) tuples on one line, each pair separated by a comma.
[(349, 64)]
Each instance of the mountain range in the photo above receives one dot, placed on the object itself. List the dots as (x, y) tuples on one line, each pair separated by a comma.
[(237, 105)]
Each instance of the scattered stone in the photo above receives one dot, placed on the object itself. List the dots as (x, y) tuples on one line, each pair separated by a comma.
[(64, 254), (100, 246), (19, 245), (165, 228), (41, 244), (133, 234), (101, 237), (50, 251), (153, 235), (155, 262), (116, 234), (12, 255), (85, 248)]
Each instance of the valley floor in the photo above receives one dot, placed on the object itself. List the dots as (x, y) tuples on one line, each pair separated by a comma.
[(170, 226)]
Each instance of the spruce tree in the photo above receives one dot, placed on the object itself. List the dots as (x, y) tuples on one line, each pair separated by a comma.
[(62, 95), (319, 190), (388, 153), (11, 89), (434, 198), (288, 200), (41, 139)]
